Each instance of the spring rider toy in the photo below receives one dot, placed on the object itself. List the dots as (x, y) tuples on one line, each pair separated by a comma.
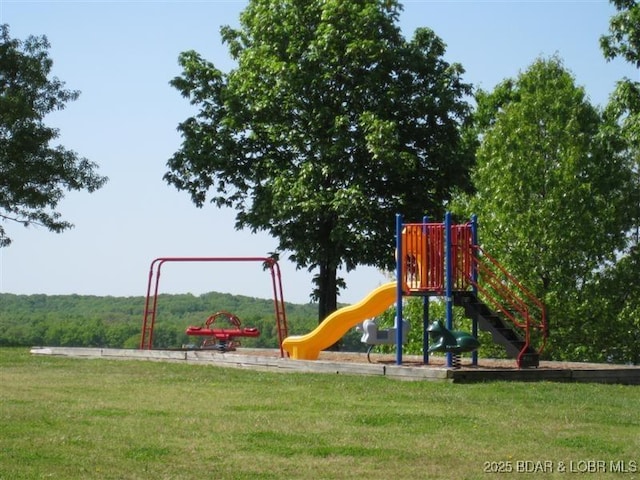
[(451, 341)]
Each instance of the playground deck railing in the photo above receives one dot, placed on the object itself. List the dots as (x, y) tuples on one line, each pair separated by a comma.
[(423, 250)]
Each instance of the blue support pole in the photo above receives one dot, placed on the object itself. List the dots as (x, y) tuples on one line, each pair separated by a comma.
[(474, 276), (425, 330), (425, 300), (399, 280), (448, 279)]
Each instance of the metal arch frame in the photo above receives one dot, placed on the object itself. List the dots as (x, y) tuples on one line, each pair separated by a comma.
[(151, 303)]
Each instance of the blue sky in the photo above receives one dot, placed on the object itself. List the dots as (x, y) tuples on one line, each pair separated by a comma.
[(121, 56)]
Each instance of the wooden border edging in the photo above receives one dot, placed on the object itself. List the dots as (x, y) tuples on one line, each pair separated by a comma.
[(608, 374)]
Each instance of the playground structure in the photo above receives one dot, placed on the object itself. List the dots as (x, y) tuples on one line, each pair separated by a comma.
[(432, 260), (222, 339), (224, 336), (443, 260)]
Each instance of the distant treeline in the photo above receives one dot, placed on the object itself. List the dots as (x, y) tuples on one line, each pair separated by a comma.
[(116, 322)]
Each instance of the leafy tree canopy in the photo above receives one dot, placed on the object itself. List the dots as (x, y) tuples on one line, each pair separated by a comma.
[(34, 175), (553, 184), (330, 124), (552, 181), (623, 39)]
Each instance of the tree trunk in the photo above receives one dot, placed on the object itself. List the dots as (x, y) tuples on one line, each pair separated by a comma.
[(327, 291), (328, 296)]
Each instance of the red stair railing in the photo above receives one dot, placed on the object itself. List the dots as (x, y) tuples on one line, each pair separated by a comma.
[(501, 290)]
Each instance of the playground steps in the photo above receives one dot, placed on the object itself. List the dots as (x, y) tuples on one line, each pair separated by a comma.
[(501, 331)]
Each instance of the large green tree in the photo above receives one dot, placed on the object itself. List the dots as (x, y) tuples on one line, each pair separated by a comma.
[(34, 174), (330, 123), (622, 278), (553, 182), (623, 41)]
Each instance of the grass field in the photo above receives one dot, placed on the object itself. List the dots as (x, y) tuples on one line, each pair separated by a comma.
[(68, 418)]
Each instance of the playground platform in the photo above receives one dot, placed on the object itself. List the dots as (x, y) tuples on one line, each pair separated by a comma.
[(346, 363)]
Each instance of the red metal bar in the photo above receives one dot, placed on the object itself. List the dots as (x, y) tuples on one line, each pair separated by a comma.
[(279, 305), (146, 340)]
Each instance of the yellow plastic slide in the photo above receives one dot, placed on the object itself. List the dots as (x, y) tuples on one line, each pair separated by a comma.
[(332, 329)]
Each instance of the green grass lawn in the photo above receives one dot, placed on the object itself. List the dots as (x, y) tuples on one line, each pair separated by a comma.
[(68, 418)]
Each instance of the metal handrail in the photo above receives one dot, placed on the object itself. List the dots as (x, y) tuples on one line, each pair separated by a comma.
[(520, 300)]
